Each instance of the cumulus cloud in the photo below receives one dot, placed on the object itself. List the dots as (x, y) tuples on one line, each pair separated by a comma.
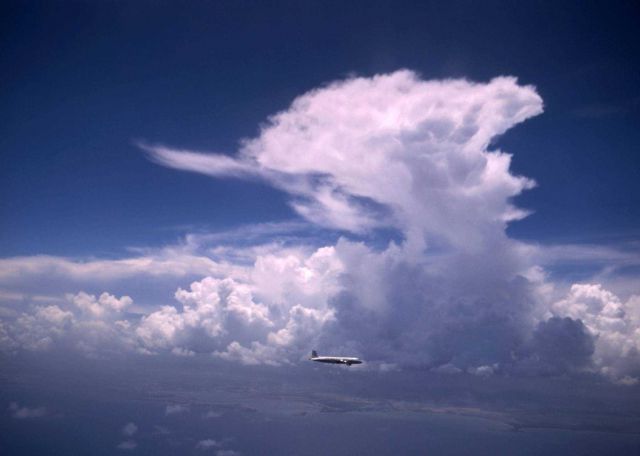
[(482, 371), (227, 453), (252, 321), (614, 325), (447, 369), (127, 445), (82, 322), (174, 409), (129, 429), (98, 307), (262, 321), (22, 412), (211, 308), (207, 444)]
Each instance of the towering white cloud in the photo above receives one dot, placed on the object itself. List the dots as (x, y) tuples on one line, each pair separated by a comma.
[(398, 152), (392, 150), (454, 294)]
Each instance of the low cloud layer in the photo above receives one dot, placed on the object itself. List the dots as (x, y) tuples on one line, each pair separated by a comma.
[(453, 294)]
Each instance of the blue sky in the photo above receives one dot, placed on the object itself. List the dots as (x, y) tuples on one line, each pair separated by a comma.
[(85, 81), (193, 197)]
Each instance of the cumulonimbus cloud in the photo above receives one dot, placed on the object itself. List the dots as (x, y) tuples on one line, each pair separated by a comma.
[(456, 294), (389, 150)]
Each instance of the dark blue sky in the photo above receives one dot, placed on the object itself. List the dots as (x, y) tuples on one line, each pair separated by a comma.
[(81, 81)]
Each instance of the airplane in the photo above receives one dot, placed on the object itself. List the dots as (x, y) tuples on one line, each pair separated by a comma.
[(334, 359)]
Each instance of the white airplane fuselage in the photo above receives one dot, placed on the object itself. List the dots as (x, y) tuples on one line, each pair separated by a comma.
[(335, 359)]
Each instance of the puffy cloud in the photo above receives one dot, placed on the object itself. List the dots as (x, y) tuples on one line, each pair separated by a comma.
[(179, 351), (227, 452), (207, 444), (106, 303), (269, 318), (174, 409), (38, 330), (614, 324), (129, 429), (448, 369), (257, 353), (275, 314), (85, 323), (482, 371), (22, 412), (211, 309), (127, 445)]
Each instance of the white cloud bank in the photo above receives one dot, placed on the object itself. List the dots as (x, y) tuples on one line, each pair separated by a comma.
[(455, 295)]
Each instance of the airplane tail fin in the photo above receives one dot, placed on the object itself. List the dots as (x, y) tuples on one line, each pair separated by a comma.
[(314, 354)]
